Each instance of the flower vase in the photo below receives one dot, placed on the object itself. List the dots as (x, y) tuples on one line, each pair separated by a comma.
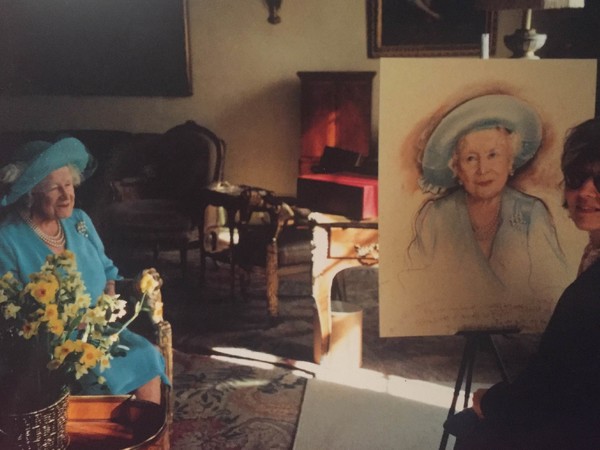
[(44, 429)]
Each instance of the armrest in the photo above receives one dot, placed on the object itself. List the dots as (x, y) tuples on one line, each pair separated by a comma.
[(152, 326)]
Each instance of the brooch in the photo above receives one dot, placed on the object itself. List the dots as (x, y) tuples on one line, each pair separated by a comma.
[(82, 229), (517, 221)]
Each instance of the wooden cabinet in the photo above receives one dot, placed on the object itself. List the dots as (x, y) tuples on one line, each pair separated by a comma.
[(335, 112)]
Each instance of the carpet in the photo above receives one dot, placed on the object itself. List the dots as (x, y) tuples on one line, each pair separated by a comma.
[(338, 417), (212, 412), (232, 403)]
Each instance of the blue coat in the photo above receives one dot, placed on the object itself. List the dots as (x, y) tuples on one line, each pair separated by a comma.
[(452, 285), (22, 252)]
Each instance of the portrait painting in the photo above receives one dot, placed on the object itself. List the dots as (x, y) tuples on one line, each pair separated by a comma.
[(473, 233)]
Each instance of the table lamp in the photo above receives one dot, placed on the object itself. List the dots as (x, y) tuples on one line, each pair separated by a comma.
[(525, 41)]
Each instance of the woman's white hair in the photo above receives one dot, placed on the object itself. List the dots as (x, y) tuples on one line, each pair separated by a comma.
[(28, 199), (513, 138)]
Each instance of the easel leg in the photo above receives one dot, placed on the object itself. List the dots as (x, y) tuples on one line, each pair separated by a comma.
[(499, 361), (474, 347), (466, 366), (474, 340)]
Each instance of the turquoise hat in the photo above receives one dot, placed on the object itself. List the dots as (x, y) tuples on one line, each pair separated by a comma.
[(39, 158), (484, 112)]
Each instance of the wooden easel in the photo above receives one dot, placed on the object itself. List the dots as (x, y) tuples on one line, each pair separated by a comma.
[(475, 340)]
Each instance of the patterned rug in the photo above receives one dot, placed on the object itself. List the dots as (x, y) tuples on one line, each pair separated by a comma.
[(232, 403)]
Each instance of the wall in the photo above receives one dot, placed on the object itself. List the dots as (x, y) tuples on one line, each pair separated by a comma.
[(244, 83)]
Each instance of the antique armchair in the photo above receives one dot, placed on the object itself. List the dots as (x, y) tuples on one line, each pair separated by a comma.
[(157, 192), (280, 241)]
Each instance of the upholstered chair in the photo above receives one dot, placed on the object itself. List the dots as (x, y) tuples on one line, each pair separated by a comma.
[(280, 242), (157, 192)]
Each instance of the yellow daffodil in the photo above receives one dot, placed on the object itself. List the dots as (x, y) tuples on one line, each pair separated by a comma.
[(148, 283), (44, 289), (83, 301), (96, 316), (29, 329), (71, 310), (68, 255), (50, 313), (80, 370), (90, 355), (104, 363), (56, 326), (11, 310), (64, 350), (73, 328)]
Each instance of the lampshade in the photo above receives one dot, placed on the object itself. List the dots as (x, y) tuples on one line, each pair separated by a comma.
[(498, 5)]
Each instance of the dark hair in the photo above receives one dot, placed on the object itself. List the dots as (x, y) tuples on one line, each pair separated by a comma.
[(582, 148)]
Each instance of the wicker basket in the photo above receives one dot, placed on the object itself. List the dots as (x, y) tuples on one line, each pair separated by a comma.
[(44, 429)]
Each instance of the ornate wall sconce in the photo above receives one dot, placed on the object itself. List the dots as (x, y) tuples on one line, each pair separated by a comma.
[(273, 6)]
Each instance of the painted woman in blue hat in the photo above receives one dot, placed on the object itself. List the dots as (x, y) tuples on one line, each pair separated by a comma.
[(478, 228), (39, 217)]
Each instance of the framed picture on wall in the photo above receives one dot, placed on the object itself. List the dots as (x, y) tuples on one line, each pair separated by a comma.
[(108, 47), (428, 28)]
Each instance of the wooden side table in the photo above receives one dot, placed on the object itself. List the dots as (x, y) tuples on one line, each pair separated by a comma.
[(229, 197), (115, 422), (240, 202), (339, 243)]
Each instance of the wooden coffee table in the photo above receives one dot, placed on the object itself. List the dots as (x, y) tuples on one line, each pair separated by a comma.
[(111, 422)]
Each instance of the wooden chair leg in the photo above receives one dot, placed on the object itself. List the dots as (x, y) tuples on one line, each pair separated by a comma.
[(272, 279)]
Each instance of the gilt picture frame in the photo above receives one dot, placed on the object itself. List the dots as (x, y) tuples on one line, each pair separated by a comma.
[(426, 28)]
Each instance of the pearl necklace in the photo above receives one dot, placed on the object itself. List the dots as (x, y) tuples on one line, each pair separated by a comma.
[(56, 241), (487, 231)]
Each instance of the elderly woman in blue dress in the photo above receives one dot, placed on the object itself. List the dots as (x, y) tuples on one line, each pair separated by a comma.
[(477, 226), (39, 217)]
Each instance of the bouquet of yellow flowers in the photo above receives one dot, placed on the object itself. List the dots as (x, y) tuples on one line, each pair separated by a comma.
[(52, 334)]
